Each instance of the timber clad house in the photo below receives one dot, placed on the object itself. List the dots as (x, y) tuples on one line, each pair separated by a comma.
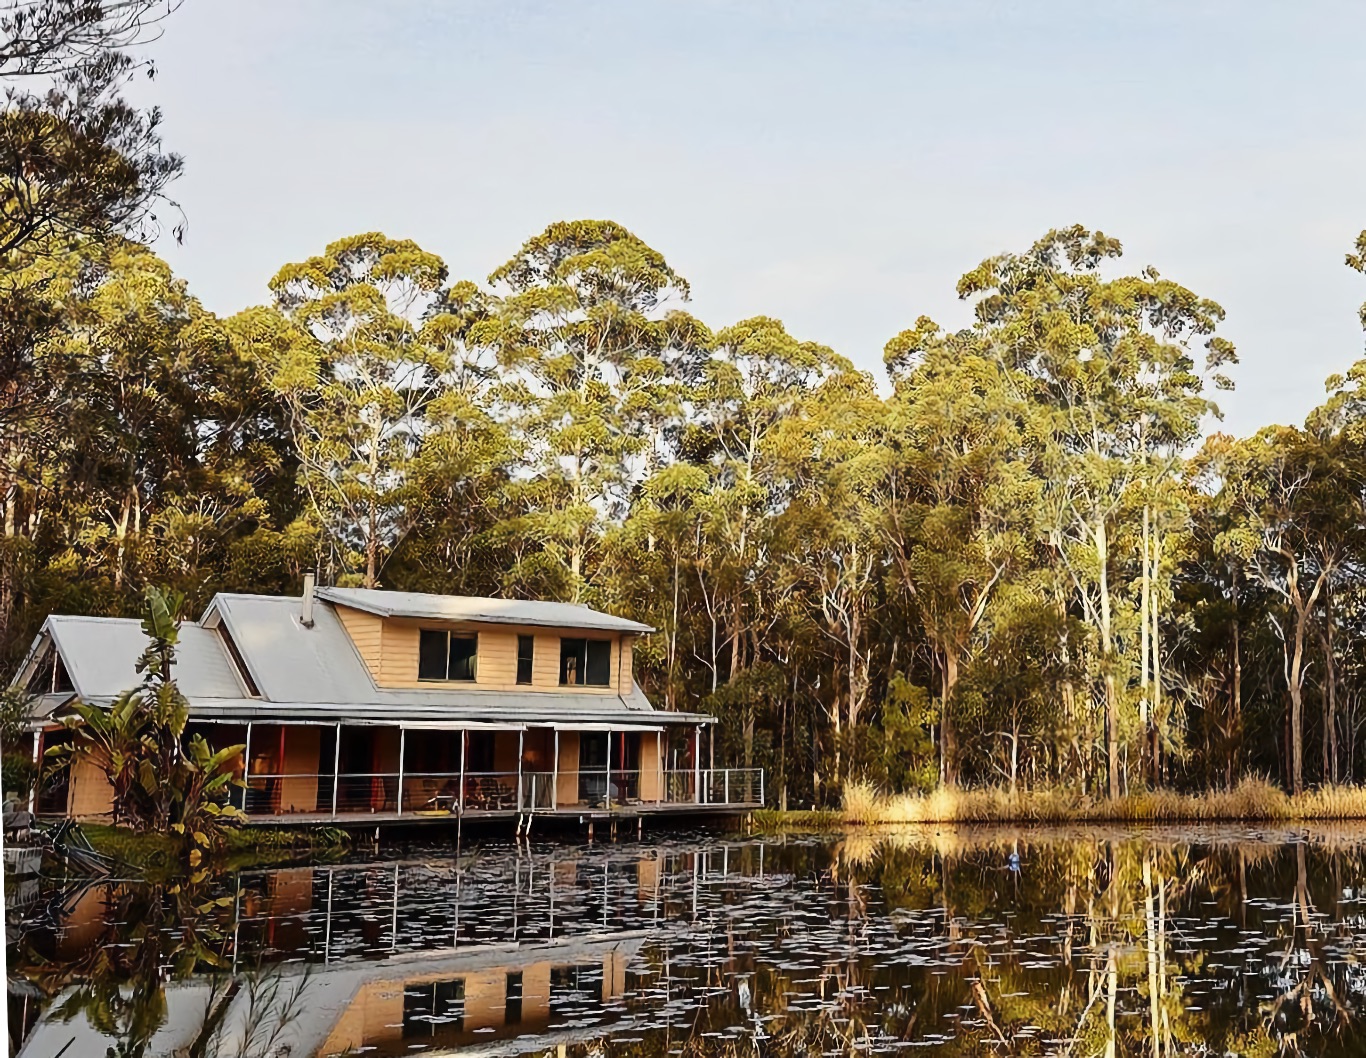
[(360, 705)]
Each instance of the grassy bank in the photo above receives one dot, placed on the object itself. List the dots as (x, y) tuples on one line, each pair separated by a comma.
[(815, 821), (243, 847), (1250, 801)]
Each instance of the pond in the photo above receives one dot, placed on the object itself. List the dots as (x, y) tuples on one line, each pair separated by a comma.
[(1085, 941)]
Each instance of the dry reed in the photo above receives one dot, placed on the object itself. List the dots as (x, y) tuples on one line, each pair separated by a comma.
[(1251, 800)]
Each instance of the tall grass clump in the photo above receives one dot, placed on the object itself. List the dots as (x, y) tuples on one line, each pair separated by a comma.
[(1250, 800)]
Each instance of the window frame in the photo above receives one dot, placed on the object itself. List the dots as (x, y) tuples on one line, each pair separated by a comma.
[(582, 662), (451, 636), (530, 660)]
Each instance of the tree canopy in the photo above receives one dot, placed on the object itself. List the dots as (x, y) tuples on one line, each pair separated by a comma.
[(1025, 557)]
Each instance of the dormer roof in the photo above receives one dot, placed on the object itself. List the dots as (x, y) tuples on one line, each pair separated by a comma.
[(465, 608)]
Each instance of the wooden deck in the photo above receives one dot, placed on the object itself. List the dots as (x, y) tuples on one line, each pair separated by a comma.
[(580, 813)]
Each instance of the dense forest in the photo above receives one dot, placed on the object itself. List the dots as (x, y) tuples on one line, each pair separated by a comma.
[(1024, 560), (1025, 557)]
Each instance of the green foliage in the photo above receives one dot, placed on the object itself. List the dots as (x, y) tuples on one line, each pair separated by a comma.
[(906, 760), (161, 783), (17, 770), (1017, 567)]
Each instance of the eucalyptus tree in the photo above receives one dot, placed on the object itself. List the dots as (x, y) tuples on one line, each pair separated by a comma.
[(151, 449), (359, 390), (1111, 367), (585, 334), (755, 389), (963, 494), (832, 549), (1293, 526), (76, 160), (458, 504), (133, 382)]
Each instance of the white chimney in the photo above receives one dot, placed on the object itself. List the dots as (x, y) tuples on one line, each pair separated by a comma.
[(306, 618)]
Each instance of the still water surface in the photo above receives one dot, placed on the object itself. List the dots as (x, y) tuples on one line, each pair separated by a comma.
[(1192, 941)]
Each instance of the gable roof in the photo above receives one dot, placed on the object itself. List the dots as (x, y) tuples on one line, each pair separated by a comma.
[(312, 673), (101, 655), (479, 611)]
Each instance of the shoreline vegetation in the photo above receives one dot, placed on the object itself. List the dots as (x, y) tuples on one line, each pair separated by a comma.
[(1251, 801), (240, 848)]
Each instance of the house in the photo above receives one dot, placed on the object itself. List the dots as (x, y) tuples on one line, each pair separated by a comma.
[(368, 705)]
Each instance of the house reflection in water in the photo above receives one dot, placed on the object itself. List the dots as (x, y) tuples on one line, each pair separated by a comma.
[(480, 956), (475, 997)]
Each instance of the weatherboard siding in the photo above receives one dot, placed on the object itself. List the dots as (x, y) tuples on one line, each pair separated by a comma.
[(389, 647), (623, 662), (89, 796), (366, 632)]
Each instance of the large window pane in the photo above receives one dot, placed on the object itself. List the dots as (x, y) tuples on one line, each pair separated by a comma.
[(464, 653), (572, 661), (431, 655), (599, 665)]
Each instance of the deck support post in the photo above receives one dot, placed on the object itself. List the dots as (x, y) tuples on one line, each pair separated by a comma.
[(246, 769), (402, 749), (697, 764), (555, 774), (464, 738), (607, 793), (37, 772), (521, 751), (336, 767), (660, 796)]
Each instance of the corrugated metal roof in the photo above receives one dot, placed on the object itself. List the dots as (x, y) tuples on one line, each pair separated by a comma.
[(320, 665), (291, 663), (101, 655), (307, 672), (466, 608)]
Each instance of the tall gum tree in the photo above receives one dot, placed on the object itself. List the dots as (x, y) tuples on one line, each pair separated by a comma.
[(1109, 363), (962, 495), (586, 329), (829, 532), (461, 471), (758, 381), (1294, 524), (359, 392)]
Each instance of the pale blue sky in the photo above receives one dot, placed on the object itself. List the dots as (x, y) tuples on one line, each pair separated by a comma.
[(836, 165)]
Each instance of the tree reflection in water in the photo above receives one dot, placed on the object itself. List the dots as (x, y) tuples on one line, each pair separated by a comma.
[(1081, 943)]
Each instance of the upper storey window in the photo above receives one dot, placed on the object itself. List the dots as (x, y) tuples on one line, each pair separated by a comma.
[(526, 658), (443, 655), (585, 662)]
